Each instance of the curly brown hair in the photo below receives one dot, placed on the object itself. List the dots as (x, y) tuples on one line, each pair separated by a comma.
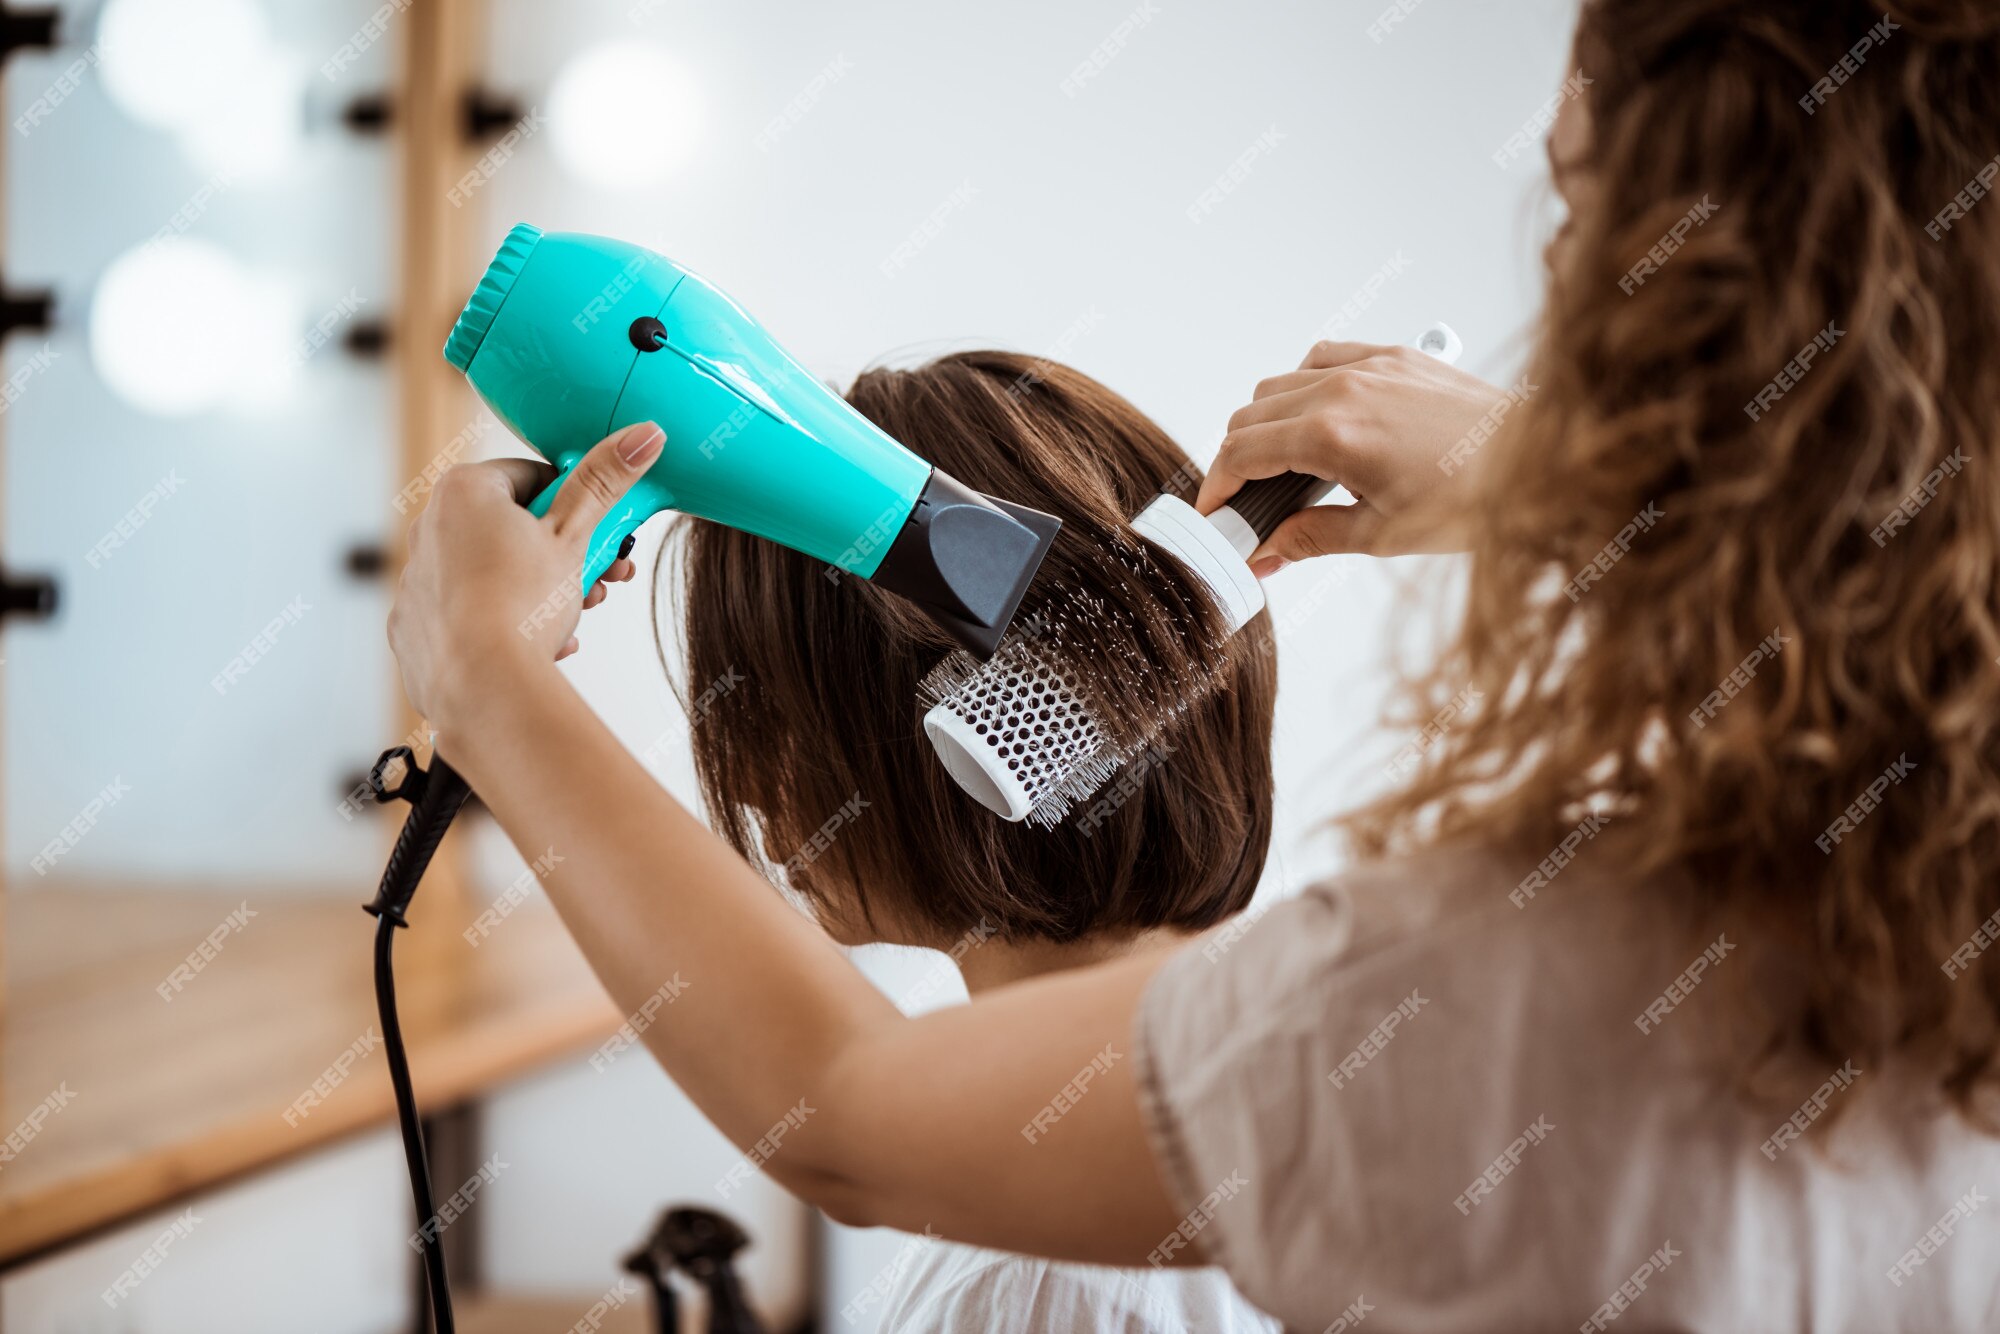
[(1735, 574)]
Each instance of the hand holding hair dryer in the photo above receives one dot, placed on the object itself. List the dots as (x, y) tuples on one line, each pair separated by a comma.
[(569, 337)]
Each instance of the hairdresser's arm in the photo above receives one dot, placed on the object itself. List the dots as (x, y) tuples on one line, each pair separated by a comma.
[(1398, 428), (876, 1118)]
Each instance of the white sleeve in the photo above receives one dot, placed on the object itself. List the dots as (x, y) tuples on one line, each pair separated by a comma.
[(962, 1290)]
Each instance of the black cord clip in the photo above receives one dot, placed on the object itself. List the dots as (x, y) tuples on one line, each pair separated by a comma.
[(434, 796), (410, 789)]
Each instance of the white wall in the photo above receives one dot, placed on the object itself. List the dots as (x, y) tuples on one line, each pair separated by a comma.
[(592, 1158), (317, 1245)]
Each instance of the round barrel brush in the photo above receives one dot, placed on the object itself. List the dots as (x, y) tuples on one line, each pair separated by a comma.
[(1018, 732)]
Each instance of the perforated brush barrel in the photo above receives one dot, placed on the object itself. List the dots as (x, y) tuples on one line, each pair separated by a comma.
[(1015, 732), (1017, 736)]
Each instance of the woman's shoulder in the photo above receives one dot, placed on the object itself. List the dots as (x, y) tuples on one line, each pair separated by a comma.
[(1362, 1050), (1335, 934), (1385, 920)]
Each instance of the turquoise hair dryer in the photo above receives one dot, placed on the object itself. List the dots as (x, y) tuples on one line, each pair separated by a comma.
[(569, 337)]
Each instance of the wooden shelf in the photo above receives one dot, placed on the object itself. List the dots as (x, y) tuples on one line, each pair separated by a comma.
[(517, 1315), (168, 1097)]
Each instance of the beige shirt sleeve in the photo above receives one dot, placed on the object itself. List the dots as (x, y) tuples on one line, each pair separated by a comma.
[(1229, 1069), (1329, 1088), (1419, 1098)]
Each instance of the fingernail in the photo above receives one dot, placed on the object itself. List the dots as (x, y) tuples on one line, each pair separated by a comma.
[(1268, 566), (640, 444)]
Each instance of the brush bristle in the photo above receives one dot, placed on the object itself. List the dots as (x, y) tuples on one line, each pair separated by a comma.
[(1028, 705), (1028, 709), (1028, 702)]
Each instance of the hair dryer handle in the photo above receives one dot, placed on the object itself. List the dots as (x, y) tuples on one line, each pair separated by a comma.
[(608, 541)]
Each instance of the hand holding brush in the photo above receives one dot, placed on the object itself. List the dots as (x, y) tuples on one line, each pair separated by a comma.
[(1022, 733), (1394, 426)]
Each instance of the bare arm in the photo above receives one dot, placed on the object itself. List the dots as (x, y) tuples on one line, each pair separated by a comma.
[(879, 1119), (876, 1118)]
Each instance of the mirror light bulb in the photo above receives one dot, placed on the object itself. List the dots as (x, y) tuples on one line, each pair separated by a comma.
[(173, 63), (622, 115), (177, 326)]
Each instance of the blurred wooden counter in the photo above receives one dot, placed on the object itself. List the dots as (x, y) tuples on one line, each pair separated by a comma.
[(162, 1098)]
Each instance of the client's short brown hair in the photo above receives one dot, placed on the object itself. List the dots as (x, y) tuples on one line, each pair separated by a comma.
[(813, 757)]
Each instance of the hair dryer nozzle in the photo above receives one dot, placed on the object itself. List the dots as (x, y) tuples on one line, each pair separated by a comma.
[(967, 559)]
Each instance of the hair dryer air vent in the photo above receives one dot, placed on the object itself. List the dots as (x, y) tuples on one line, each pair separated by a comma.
[(483, 307)]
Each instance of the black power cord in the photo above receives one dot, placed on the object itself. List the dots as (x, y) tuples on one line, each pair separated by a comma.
[(698, 1241), (435, 797)]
